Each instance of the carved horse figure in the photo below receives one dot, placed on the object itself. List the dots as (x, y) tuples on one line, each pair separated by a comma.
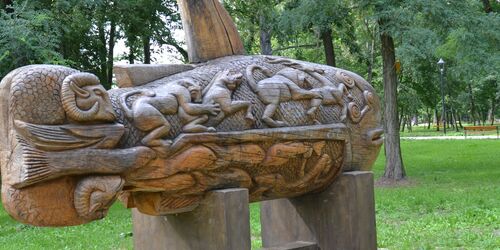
[(282, 87), (330, 94)]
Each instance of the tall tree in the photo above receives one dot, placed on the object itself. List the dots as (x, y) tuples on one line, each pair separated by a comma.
[(256, 21), (327, 19), (394, 167)]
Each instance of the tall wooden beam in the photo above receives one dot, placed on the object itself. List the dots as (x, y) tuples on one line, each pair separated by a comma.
[(210, 31)]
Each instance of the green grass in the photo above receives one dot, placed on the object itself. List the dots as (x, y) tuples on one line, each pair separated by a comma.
[(421, 130), (113, 232), (453, 202)]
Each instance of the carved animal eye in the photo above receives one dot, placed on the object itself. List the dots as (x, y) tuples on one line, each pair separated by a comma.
[(98, 92)]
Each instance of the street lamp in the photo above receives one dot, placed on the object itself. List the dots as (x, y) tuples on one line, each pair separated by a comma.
[(441, 65)]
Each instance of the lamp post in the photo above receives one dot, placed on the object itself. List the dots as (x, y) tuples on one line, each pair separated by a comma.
[(441, 65)]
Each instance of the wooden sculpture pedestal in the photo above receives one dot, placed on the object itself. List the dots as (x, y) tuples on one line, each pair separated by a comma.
[(341, 217)]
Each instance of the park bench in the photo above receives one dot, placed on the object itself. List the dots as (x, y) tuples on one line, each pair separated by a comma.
[(480, 128)]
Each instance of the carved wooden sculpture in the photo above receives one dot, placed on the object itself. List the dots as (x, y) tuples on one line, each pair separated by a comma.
[(278, 127)]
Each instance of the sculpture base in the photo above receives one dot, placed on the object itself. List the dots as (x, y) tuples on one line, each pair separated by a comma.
[(341, 217), (221, 222)]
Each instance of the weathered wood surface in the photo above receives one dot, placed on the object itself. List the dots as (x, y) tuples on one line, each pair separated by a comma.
[(298, 245), (341, 217), (221, 222), (131, 75), (278, 127), (210, 31)]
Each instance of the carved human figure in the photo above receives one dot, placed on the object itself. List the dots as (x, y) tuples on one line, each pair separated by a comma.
[(282, 87), (148, 110), (220, 91)]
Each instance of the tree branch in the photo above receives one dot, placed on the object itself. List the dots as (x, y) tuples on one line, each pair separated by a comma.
[(297, 46)]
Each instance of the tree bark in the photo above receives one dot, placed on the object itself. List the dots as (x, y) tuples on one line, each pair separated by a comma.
[(487, 6), (327, 38), (429, 118), (394, 168), (146, 44), (371, 61), (472, 104), (103, 72), (493, 110), (111, 49), (459, 120), (454, 119), (265, 36), (436, 118)]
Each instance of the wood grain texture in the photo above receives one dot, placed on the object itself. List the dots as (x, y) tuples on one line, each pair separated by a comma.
[(132, 75), (278, 127), (298, 245), (221, 222), (210, 31), (341, 217)]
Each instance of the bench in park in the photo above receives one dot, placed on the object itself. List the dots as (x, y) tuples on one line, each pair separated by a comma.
[(470, 129)]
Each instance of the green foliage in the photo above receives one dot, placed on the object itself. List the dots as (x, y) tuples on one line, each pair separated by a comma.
[(81, 34), (27, 36)]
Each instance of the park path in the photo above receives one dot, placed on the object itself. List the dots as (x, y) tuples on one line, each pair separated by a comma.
[(481, 137)]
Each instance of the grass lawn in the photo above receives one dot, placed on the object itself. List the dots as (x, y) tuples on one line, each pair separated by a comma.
[(453, 202), (421, 130)]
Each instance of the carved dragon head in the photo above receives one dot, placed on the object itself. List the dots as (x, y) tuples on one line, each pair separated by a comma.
[(84, 99)]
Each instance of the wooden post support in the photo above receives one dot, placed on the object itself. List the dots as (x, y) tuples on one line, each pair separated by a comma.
[(221, 222), (341, 217)]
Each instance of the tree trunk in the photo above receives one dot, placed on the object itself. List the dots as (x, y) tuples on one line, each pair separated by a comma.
[(103, 53), (472, 104), (371, 61), (409, 119), (429, 118), (436, 118), (487, 6), (327, 38), (493, 110), (146, 44), (394, 168), (265, 36), (460, 120), (111, 49), (454, 119), (403, 120), (131, 56)]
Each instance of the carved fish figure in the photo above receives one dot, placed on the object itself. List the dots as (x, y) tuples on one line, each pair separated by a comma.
[(279, 127)]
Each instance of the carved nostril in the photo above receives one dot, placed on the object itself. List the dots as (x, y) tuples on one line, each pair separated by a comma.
[(376, 136)]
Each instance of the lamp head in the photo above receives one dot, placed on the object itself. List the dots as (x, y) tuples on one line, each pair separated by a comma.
[(441, 63)]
